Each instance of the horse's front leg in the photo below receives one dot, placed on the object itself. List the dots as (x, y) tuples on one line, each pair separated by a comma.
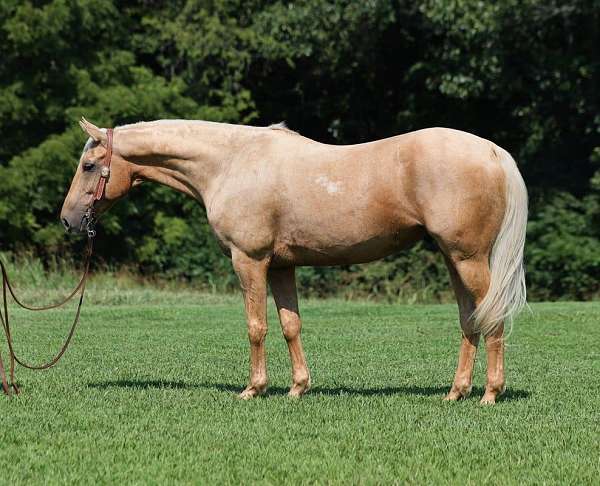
[(283, 286), (253, 279)]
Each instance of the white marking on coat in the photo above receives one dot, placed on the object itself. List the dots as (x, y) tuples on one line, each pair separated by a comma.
[(331, 186)]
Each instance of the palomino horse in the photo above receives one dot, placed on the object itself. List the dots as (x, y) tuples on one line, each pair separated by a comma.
[(277, 200)]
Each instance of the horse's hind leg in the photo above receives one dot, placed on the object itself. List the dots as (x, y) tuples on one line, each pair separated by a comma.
[(283, 286), (494, 347), (472, 277), (463, 378)]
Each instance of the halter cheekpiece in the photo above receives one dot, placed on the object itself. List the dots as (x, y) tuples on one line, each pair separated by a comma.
[(90, 217)]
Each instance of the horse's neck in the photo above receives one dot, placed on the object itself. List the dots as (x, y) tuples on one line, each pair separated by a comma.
[(189, 157)]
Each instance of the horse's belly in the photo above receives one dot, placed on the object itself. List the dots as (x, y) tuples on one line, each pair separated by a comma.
[(319, 251)]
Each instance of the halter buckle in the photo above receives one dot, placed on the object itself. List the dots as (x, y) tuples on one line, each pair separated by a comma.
[(90, 223), (105, 172)]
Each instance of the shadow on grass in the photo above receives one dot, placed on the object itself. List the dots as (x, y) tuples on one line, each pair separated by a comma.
[(149, 384), (510, 394)]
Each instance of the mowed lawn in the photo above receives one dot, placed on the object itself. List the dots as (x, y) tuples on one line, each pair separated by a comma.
[(147, 395)]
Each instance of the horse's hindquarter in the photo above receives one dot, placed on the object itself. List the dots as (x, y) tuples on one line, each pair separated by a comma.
[(459, 189), (343, 204)]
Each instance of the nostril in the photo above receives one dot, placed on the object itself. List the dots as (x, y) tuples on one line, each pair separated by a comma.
[(66, 224)]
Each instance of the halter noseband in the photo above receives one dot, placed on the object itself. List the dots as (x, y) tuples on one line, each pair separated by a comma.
[(90, 216)]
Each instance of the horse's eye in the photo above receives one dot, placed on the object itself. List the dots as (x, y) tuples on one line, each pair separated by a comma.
[(87, 166)]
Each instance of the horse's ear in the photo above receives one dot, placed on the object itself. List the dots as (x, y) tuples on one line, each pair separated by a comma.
[(93, 131)]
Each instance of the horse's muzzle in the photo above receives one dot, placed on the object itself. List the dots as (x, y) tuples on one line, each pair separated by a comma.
[(73, 221), (67, 225)]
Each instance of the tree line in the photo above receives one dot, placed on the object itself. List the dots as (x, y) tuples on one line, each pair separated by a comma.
[(523, 73)]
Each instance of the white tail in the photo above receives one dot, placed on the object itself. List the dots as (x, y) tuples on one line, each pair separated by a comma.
[(507, 294)]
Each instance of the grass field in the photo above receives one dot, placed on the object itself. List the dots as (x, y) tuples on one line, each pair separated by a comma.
[(147, 394)]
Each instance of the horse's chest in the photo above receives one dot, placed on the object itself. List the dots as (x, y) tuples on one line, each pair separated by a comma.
[(242, 226)]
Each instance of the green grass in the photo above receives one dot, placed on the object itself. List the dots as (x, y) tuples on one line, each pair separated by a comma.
[(147, 394)]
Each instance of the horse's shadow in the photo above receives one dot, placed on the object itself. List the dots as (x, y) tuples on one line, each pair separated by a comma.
[(410, 390)]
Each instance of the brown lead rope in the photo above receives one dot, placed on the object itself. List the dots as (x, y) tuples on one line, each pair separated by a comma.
[(8, 289), (90, 221)]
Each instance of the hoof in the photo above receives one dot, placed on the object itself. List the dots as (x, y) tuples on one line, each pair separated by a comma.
[(488, 399), (456, 394), (490, 396), (452, 397), (492, 393), (299, 389), (251, 392)]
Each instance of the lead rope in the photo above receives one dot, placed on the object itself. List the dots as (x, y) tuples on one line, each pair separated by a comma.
[(90, 220), (8, 289)]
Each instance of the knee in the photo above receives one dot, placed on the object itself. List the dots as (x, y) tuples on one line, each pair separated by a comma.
[(257, 331), (290, 325)]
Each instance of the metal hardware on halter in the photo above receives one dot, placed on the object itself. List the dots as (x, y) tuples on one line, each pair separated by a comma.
[(90, 216), (90, 224)]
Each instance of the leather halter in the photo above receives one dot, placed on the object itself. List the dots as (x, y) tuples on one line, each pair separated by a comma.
[(105, 169), (89, 218)]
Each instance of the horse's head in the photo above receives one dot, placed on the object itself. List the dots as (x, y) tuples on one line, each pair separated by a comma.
[(91, 169)]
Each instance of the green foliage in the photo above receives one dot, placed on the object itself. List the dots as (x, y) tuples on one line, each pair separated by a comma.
[(522, 73), (564, 250)]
